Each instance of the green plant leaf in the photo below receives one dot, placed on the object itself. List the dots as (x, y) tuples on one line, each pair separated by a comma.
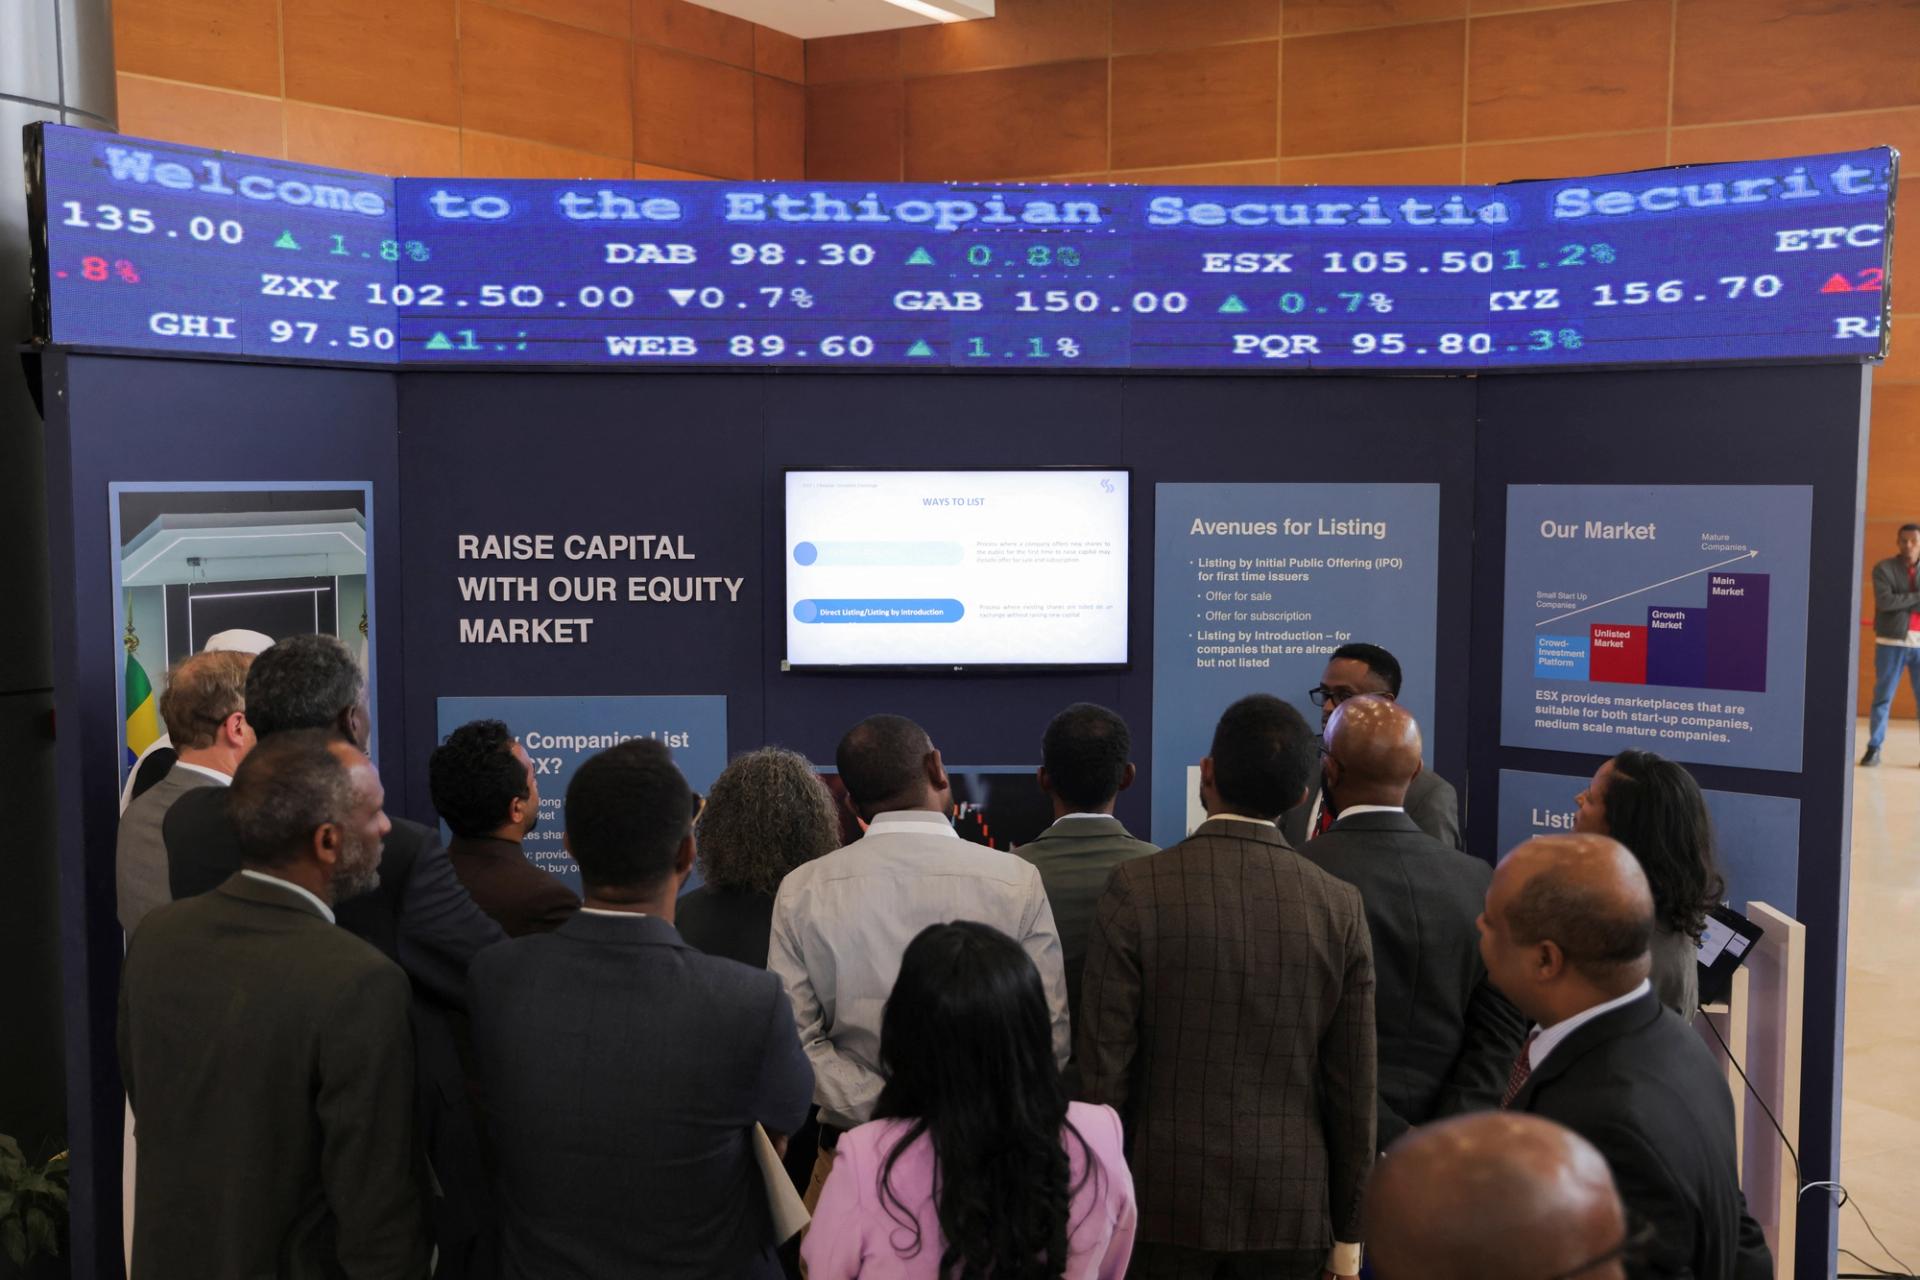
[(12, 1163), (40, 1233), (14, 1237), (7, 1199)]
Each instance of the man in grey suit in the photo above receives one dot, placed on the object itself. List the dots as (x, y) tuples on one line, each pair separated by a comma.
[(1896, 634), (1432, 803), (624, 1070), (1087, 756), (1227, 1014), (205, 709), (1447, 1039), (267, 1053)]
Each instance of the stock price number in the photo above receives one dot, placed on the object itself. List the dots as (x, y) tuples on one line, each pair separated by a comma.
[(770, 346), (307, 333), (1633, 293), (825, 255), (139, 222)]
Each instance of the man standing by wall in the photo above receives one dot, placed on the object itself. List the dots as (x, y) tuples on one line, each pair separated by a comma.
[(205, 709), (1896, 634)]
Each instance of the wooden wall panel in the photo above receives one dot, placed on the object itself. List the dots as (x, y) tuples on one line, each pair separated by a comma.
[(393, 59), (1334, 94), (529, 78), (1023, 121), (355, 140), (692, 113), (222, 44), (1196, 106), (1148, 26), (1594, 69), (201, 116)]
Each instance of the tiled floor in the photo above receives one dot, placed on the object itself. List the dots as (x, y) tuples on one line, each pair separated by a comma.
[(1880, 1122)]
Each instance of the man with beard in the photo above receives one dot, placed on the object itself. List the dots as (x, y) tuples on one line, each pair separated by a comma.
[(483, 786), (267, 1053), (415, 912)]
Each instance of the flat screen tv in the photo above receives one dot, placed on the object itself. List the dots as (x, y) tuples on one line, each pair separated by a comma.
[(956, 570)]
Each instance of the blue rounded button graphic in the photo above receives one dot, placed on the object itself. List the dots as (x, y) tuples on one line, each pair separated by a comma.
[(806, 610), (805, 553)]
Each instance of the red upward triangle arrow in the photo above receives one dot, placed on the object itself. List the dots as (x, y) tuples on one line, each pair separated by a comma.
[(1836, 283)]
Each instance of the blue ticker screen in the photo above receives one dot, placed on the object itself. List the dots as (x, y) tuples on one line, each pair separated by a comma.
[(156, 247)]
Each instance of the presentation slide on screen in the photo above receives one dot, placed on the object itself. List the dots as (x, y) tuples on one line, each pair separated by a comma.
[(1672, 618), (560, 733), (956, 568), (1254, 585), (195, 561), (1756, 838)]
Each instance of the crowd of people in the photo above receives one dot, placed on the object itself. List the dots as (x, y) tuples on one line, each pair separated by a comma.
[(1310, 1030)]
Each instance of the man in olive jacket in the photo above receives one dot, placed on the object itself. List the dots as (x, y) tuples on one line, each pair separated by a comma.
[(266, 1052)]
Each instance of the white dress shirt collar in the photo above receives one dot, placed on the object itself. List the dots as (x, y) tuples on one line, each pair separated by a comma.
[(919, 822), (1240, 817), (617, 915), (1544, 1043), (1353, 809), (308, 894), (1077, 817), (224, 779)]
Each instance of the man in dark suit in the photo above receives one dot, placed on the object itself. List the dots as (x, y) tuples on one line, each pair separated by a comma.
[(266, 1053), (1432, 803), (1227, 1014), (624, 1070), (1495, 1196), (1087, 756), (1446, 1037), (483, 785), (416, 913), (1566, 935)]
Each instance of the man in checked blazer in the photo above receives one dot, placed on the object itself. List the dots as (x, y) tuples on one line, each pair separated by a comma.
[(1227, 1014)]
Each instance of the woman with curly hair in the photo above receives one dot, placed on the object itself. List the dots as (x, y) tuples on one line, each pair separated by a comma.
[(767, 813), (1654, 807), (975, 1166)]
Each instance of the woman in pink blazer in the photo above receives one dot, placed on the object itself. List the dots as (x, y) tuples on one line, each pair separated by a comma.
[(975, 1164)]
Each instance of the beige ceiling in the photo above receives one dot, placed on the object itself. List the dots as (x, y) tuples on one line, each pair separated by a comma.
[(811, 19)]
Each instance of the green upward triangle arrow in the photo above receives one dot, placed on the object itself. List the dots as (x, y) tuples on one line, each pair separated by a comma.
[(1233, 305), (920, 348), (920, 258), (286, 241), (439, 342)]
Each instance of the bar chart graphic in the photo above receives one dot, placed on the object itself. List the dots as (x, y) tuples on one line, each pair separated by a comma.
[(1683, 643), (1672, 618)]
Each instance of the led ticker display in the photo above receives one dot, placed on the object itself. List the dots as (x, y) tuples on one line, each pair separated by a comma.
[(155, 247)]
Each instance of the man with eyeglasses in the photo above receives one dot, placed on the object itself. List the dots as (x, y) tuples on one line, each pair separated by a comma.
[(1497, 1196), (1566, 936), (1432, 803)]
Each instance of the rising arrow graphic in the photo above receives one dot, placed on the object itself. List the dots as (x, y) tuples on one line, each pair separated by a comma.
[(1562, 617)]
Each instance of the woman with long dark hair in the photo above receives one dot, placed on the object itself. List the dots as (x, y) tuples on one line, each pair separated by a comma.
[(1654, 807), (975, 1166)]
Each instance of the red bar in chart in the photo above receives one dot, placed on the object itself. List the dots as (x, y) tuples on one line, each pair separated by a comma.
[(1619, 654)]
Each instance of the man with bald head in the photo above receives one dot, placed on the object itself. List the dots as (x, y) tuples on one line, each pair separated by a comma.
[(1446, 1037), (1495, 1196), (1566, 935)]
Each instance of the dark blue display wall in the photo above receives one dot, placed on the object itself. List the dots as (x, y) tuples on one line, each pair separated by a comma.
[(700, 457)]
